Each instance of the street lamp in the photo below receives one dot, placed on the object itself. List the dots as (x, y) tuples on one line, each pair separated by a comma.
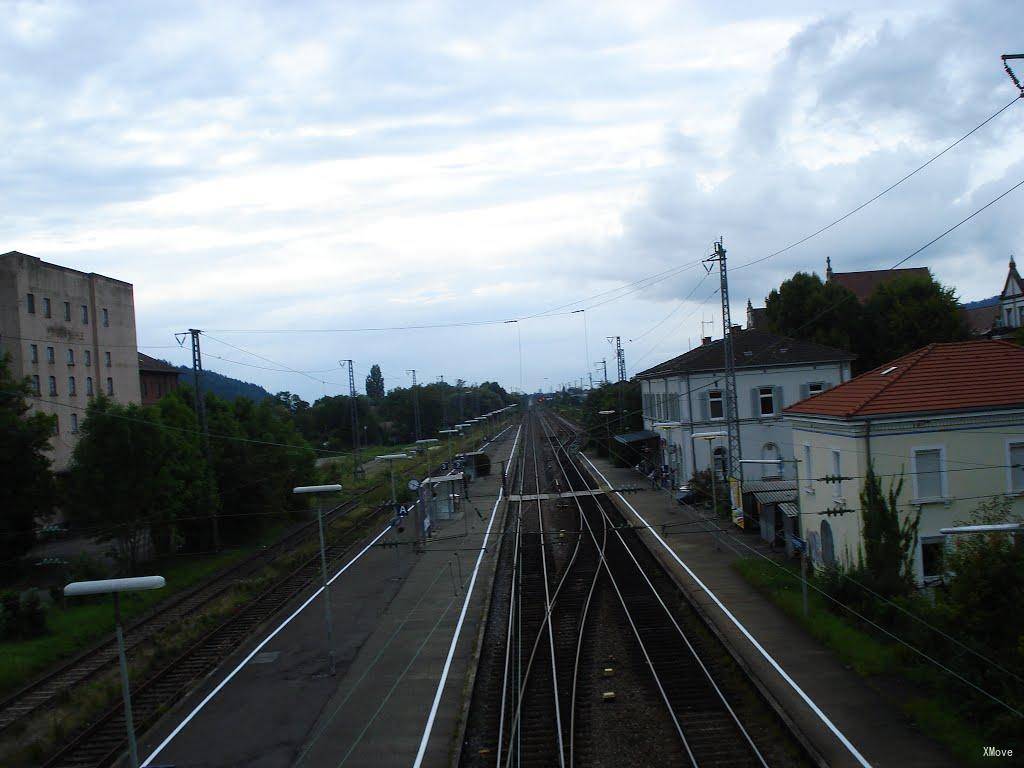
[(317, 490), (709, 437), (116, 587), (449, 433), (391, 458)]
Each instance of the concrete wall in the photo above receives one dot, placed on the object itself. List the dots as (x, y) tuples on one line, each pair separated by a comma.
[(757, 432), (975, 450), (21, 275)]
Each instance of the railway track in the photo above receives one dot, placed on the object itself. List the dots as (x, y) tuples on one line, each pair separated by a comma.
[(590, 651), (103, 740), (102, 656)]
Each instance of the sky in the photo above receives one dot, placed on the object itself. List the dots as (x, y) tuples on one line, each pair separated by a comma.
[(282, 175)]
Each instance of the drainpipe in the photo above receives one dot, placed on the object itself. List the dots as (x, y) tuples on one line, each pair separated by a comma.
[(867, 441), (689, 413)]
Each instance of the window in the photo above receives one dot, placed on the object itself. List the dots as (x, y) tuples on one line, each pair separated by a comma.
[(815, 387), (106, 318), (928, 471), (837, 471), (36, 390), (716, 405), (88, 386), (71, 386), (46, 307), (85, 315), (1016, 470), (74, 423), (932, 551), (53, 385), (766, 401), (770, 452), (30, 303), (71, 356), (50, 355), (808, 468), (145, 389), (110, 386), (88, 358), (34, 352), (720, 461), (67, 311), (106, 359)]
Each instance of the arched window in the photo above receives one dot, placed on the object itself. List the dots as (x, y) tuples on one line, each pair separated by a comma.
[(828, 550), (770, 452)]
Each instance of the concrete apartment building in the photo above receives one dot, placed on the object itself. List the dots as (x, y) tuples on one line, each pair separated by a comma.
[(685, 395), (72, 334)]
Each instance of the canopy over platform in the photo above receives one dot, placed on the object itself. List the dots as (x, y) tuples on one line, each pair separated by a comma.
[(637, 437), (475, 463)]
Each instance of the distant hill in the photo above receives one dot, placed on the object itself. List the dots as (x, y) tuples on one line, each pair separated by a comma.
[(981, 303), (224, 386)]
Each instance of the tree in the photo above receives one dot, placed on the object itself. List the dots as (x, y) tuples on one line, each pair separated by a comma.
[(889, 541), (806, 308), (124, 476), (906, 314), (375, 383), (26, 492)]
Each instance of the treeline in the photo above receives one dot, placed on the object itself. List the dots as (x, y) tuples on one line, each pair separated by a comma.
[(141, 479), (389, 419), (900, 316), (585, 408)]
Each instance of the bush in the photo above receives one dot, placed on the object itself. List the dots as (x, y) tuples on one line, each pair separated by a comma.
[(21, 619)]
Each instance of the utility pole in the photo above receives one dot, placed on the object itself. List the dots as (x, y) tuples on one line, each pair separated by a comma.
[(603, 364), (415, 403), (204, 440), (735, 468), (354, 408), (620, 359), (444, 402)]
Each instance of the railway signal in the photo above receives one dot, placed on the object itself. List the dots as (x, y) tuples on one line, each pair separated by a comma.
[(116, 587)]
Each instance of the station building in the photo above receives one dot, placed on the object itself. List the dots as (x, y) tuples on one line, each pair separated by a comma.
[(686, 395), (947, 420), (72, 335)]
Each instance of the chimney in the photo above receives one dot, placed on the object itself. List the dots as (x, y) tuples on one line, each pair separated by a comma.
[(706, 340)]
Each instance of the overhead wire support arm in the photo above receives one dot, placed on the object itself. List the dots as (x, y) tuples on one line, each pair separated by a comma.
[(1006, 57)]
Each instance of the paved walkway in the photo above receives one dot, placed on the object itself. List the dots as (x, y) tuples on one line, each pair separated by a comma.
[(396, 612), (870, 723)]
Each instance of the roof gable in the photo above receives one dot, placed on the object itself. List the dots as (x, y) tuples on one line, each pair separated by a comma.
[(863, 284), (968, 375), (752, 348), (1013, 286)]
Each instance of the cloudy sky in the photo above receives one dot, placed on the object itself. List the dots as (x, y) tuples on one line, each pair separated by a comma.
[(318, 168)]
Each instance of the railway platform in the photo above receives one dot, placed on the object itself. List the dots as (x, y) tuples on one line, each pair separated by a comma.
[(866, 720), (405, 637)]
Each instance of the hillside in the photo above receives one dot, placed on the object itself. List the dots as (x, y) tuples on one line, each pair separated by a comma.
[(224, 386)]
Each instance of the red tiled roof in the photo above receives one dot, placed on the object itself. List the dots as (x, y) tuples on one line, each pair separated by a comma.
[(863, 284), (966, 375)]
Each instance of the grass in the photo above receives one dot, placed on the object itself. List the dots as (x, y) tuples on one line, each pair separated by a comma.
[(76, 625), (936, 716)]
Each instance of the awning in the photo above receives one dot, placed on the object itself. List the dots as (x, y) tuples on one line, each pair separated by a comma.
[(637, 437), (772, 491), (789, 510)]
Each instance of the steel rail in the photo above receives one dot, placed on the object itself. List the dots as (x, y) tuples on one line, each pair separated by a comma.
[(607, 522), (85, 665)]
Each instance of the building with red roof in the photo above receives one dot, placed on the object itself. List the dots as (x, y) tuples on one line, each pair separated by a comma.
[(947, 418)]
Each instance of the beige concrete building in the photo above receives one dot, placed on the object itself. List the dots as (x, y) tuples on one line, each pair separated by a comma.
[(72, 334), (948, 419)]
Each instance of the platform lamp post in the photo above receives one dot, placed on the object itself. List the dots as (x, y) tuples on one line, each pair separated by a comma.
[(709, 437), (116, 587), (391, 458), (608, 429), (448, 434), (318, 491)]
